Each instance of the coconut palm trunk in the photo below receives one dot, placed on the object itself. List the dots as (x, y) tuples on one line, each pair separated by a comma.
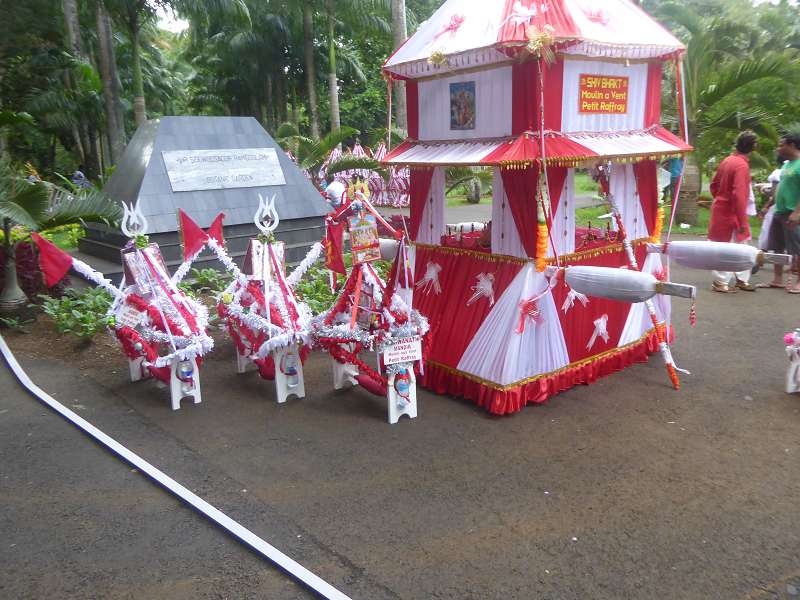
[(139, 108), (333, 83), (111, 93), (311, 71), (399, 35)]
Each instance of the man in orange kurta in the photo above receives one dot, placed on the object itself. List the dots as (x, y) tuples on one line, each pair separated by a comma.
[(729, 221)]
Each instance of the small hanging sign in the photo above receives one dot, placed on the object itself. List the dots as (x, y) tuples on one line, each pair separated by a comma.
[(403, 350)]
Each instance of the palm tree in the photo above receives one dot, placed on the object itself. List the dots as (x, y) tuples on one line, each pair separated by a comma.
[(29, 205), (399, 35), (719, 65), (311, 154), (134, 14), (360, 15)]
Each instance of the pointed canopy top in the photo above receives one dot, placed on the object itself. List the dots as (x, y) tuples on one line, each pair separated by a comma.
[(465, 34)]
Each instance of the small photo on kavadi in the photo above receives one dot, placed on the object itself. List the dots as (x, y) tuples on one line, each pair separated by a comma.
[(462, 105), (364, 239)]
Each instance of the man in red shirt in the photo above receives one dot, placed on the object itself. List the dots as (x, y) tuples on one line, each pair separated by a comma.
[(729, 221)]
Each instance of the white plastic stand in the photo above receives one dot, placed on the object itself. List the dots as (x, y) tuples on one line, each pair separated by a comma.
[(283, 389), (398, 405), (344, 375), (137, 369), (793, 373), (176, 385), (241, 362)]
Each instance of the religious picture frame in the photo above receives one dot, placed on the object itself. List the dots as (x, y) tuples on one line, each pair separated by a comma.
[(462, 106)]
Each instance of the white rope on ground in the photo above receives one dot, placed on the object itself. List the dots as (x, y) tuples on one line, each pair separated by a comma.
[(240, 532)]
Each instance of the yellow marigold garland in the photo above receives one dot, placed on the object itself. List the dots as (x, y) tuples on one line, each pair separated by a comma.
[(656, 237), (542, 238)]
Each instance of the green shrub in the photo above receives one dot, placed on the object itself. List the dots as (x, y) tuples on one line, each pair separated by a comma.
[(314, 288), (207, 281), (79, 313)]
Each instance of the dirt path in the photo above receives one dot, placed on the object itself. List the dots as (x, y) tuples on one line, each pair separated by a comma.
[(623, 489)]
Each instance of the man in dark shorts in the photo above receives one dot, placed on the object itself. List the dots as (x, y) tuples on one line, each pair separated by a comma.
[(784, 234)]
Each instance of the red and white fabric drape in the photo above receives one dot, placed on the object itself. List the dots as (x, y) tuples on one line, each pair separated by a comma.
[(431, 226), (647, 186), (500, 354), (420, 187), (505, 237), (625, 191), (562, 201), (522, 192)]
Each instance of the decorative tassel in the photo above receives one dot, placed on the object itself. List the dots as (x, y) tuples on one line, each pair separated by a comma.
[(693, 314)]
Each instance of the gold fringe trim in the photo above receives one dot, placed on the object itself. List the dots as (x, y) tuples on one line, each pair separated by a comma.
[(565, 259), (575, 365)]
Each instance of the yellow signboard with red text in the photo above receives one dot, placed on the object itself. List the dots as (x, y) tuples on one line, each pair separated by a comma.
[(603, 95)]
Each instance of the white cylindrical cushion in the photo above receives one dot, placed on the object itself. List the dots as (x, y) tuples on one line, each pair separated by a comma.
[(388, 248), (612, 283), (716, 256)]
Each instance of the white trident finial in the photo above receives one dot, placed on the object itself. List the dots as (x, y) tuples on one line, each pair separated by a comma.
[(133, 221), (266, 218)]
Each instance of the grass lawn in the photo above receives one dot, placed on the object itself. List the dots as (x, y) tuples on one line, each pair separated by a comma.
[(453, 200), (584, 215)]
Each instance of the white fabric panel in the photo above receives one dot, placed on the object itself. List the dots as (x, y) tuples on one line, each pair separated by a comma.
[(492, 106), (505, 236), (638, 322), (498, 354), (626, 195), (431, 227), (467, 153), (572, 120), (632, 142), (564, 219)]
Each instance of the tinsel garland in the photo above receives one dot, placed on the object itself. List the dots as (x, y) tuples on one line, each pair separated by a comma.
[(198, 349), (95, 277), (313, 256)]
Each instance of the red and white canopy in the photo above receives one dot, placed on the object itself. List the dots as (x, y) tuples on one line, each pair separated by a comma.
[(472, 33), (560, 149)]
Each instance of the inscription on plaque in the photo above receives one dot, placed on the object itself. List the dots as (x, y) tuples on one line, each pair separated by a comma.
[(193, 170)]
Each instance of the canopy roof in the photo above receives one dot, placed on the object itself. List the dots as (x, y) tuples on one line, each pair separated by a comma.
[(472, 33), (566, 149)]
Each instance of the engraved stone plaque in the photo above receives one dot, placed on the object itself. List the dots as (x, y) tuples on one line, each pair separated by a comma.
[(193, 170)]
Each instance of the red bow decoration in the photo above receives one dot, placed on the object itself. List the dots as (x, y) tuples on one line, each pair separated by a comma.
[(596, 16), (529, 309), (453, 26)]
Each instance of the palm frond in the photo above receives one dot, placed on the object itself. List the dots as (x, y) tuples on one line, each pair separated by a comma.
[(351, 163), (88, 206)]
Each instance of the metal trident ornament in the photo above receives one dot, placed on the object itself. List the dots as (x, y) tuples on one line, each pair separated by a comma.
[(133, 222), (266, 218)]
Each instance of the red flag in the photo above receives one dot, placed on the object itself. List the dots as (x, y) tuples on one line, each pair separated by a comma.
[(334, 237), (215, 231), (192, 236), (53, 260)]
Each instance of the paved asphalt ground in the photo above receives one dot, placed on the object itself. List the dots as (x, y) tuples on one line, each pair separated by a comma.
[(622, 489)]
